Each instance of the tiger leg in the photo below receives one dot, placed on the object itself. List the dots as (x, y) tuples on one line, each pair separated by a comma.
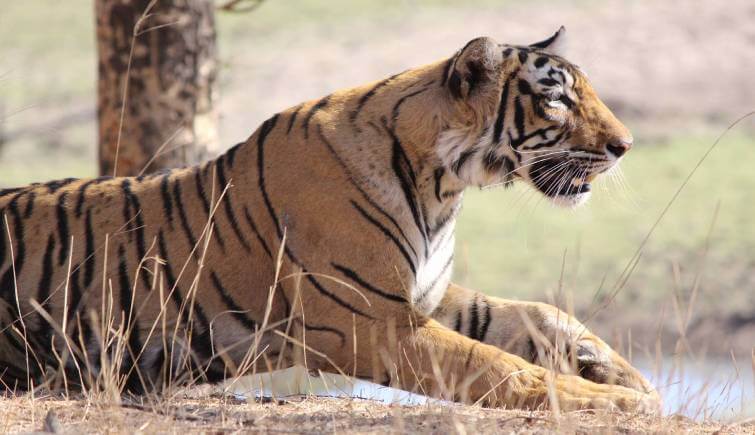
[(429, 358), (536, 331)]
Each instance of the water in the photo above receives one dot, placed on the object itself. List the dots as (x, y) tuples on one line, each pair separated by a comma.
[(708, 389)]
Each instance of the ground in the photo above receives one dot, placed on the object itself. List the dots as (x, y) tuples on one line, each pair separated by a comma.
[(676, 79), (216, 414)]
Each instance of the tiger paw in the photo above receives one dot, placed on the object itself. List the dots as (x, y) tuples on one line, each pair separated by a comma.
[(574, 393), (597, 362)]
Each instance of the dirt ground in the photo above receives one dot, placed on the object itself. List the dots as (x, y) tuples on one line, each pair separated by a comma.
[(216, 414)]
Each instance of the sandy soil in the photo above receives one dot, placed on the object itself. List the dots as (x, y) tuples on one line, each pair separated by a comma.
[(214, 414)]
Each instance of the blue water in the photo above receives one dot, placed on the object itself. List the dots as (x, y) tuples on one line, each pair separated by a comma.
[(707, 389)]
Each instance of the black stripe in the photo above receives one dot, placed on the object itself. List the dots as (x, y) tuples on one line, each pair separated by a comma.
[(128, 223), (30, 203), (82, 193), (88, 268), (367, 95), (362, 192), (463, 158), (132, 202), (63, 232), (286, 303), (241, 315), (75, 308), (567, 101), (175, 290), (554, 72), (335, 331), (11, 190), (43, 289), (182, 215), (53, 186), (131, 324), (496, 163), (451, 193), (518, 117), (397, 107), (200, 190), (44, 332), (388, 234), (267, 126), (167, 201), (524, 87), (19, 257), (327, 293), (498, 130), (349, 273), (522, 54), (403, 169), (541, 61), (548, 82), (486, 323), (474, 320), (231, 153), (438, 175), (206, 204), (457, 325), (256, 231), (292, 120), (441, 222), (174, 293), (522, 138), (317, 106), (229, 209), (89, 258), (556, 139)]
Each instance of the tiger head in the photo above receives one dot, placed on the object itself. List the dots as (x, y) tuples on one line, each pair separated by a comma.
[(528, 114)]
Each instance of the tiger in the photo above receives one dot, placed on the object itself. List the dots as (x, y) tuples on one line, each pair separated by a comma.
[(325, 239)]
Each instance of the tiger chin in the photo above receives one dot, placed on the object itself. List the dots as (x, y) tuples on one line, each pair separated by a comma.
[(326, 238)]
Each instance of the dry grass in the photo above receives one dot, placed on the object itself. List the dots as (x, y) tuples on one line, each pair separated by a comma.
[(199, 410)]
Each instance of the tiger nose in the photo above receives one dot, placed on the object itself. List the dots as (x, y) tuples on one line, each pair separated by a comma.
[(619, 147)]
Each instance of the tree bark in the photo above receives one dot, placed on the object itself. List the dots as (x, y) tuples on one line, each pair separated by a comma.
[(160, 55)]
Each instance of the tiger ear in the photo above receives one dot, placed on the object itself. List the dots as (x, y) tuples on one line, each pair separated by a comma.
[(473, 66), (556, 44)]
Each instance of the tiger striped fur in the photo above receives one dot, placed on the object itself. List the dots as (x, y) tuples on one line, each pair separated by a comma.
[(327, 239)]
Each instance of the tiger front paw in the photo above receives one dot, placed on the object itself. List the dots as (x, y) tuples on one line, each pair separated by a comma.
[(575, 393), (597, 362)]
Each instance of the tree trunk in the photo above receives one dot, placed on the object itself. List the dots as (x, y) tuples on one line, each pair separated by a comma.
[(168, 119)]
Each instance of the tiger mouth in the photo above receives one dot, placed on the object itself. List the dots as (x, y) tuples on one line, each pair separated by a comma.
[(557, 178)]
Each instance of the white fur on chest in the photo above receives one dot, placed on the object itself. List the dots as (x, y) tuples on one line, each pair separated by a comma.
[(434, 274)]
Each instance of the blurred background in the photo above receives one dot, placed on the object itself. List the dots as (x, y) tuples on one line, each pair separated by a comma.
[(676, 72)]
